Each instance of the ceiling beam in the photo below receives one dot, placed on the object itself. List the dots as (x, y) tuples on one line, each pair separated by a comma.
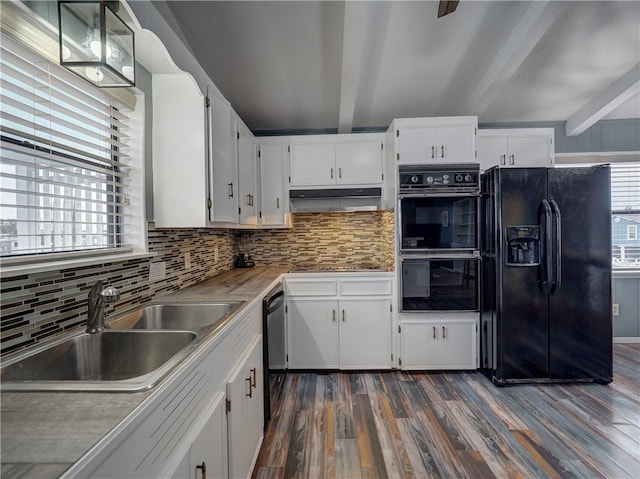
[(352, 59), (604, 103), (523, 38)]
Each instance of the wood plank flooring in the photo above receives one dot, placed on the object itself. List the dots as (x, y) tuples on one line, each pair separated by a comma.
[(452, 425)]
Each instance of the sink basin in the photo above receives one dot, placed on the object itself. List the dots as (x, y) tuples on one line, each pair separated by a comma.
[(109, 360), (185, 316)]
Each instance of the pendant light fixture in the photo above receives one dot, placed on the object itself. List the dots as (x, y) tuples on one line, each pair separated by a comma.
[(95, 43)]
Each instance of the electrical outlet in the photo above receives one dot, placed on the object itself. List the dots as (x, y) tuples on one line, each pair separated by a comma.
[(615, 309), (215, 253), (187, 260)]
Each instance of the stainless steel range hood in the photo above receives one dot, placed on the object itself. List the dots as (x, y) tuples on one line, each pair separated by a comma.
[(335, 199)]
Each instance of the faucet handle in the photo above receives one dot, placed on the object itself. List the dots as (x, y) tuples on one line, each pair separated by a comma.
[(110, 294)]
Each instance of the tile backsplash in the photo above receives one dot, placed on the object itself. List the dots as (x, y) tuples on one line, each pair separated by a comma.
[(39, 305), (357, 239)]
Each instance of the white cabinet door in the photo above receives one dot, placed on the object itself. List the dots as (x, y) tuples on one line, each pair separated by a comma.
[(224, 167), (365, 333), (208, 455), (244, 426), (274, 203), (418, 345), (492, 151), (359, 163), (312, 164), (457, 345), (312, 333), (456, 144), (248, 204), (527, 151), (417, 146)]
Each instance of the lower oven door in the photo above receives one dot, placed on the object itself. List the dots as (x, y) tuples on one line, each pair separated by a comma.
[(440, 283)]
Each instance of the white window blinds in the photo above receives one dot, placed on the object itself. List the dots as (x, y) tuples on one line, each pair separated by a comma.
[(63, 160), (625, 208)]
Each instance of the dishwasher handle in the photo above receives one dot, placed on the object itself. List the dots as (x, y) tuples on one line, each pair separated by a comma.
[(274, 302)]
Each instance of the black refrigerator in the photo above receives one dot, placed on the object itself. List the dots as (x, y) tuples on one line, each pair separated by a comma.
[(546, 275)]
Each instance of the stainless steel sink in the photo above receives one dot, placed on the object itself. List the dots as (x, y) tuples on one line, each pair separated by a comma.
[(109, 360), (185, 316)]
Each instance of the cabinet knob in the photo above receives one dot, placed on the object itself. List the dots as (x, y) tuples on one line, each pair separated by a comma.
[(203, 469)]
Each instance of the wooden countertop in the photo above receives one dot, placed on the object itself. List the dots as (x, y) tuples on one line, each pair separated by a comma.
[(44, 433)]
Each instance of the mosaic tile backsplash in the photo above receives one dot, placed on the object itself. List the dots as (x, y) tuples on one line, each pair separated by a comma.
[(37, 306)]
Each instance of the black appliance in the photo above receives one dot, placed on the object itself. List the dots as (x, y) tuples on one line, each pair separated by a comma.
[(546, 275), (273, 337), (438, 208)]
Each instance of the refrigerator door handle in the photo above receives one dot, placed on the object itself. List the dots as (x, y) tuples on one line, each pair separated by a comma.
[(544, 219), (557, 274)]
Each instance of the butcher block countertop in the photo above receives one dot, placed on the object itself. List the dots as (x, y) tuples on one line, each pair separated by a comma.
[(44, 433)]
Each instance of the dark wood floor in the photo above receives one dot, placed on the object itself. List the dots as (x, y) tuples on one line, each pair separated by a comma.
[(453, 425)]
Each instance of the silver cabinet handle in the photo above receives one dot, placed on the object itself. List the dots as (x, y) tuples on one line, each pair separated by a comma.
[(434, 332), (444, 336), (340, 172), (433, 151), (203, 468), (334, 315), (332, 173), (231, 190), (503, 159), (278, 203), (513, 159), (343, 316), (250, 393), (253, 373), (442, 155)]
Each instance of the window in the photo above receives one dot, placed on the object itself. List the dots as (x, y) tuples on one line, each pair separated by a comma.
[(625, 209), (63, 162)]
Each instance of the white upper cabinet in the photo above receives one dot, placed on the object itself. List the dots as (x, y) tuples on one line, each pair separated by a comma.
[(359, 162), (224, 161), (180, 189), (273, 158), (439, 140), (247, 176), (336, 160), (523, 147), (313, 164)]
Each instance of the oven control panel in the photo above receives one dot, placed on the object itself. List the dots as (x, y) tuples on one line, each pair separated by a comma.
[(424, 177)]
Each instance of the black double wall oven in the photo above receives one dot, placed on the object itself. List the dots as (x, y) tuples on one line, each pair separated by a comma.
[(438, 222)]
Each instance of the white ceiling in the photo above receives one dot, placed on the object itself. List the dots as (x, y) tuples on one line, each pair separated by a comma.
[(328, 65)]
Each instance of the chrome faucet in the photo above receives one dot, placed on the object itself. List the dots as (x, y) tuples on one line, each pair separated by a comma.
[(98, 299)]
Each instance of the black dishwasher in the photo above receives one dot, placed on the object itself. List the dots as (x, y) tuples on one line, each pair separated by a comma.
[(273, 341)]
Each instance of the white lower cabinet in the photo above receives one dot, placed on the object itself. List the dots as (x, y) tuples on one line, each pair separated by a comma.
[(313, 333), (207, 455), (426, 344), (339, 323), (245, 412)]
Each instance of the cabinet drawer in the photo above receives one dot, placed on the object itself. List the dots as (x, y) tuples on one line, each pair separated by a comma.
[(314, 287), (358, 287)]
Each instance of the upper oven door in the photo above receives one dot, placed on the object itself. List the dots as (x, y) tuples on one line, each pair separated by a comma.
[(438, 223), (441, 283)]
